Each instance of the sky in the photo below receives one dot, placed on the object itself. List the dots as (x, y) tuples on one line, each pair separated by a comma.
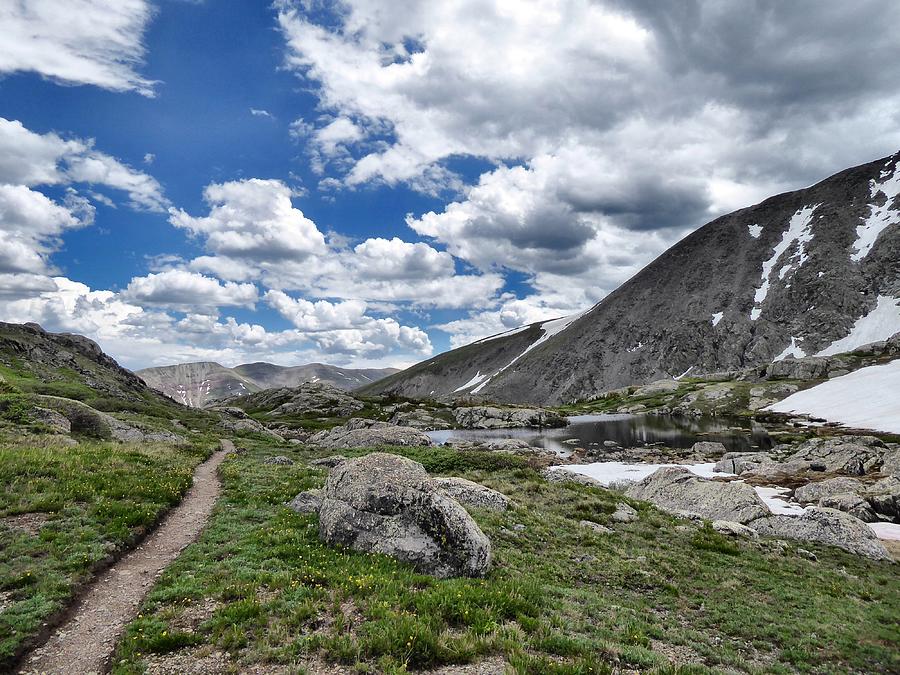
[(370, 183)]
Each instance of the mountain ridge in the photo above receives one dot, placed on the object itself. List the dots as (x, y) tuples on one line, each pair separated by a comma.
[(792, 275)]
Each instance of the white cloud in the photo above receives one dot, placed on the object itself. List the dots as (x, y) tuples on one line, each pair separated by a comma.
[(97, 42), (319, 315), (182, 290), (258, 112)]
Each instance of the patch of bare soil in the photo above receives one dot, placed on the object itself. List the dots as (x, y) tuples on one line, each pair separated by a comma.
[(26, 522), (86, 641)]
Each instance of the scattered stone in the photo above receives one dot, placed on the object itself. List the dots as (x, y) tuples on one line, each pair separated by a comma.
[(809, 555), (624, 513), (384, 503), (469, 493), (279, 460), (732, 529), (677, 489), (597, 528), (825, 526), (557, 474), (365, 433), (491, 417), (328, 462), (306, 502), (518, 527)]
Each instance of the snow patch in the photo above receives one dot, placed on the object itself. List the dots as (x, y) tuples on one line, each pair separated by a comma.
[(793, 349), (755, 230), (886, 531), (717, 317), (866, 399), (471, 383), (611, 472), (879, 217), (879, 324), (774, 498), (798, 231)]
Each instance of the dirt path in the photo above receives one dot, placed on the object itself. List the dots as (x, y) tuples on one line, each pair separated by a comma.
[(86, 641)]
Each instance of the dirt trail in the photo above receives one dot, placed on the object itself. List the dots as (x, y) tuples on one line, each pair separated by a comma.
[(86, 641)]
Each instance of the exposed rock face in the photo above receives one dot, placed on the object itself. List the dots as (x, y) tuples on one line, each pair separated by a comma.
[(364, 433), (419, 419), (811, 493), (235, 419), (388, 504), (310, 398), (739, 462), (203, 383), (884, 496), (850, 503), (695, 308), (307, 502), (825, 526), (854, 455), (678, 490), (86, 421), (55, 421), (469, 493), (491, 417)]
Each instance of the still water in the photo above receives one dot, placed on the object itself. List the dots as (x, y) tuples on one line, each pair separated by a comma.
[(589, 431)]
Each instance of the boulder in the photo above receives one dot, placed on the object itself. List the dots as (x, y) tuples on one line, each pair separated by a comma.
[(825, 526), (491, 417), (890, 462), (57, 422), (811, 493), (677, 489), (657, 387), (235, 419), (884, 497), (383, 503), (708, 449), (469, 493), (557, 474), (739, 462), (596, 528), (365, 433), (306, 502), (732, 529), (850, 503), (798, 369), (315, 399), (624, 513), (87, 421), (854, 455), (328, 462), (419, 419), (278, 460)]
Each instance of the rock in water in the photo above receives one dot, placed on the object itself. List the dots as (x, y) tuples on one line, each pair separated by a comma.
[(677, 489), (387, 504), (364, 433), (826, 526), (470, 493)]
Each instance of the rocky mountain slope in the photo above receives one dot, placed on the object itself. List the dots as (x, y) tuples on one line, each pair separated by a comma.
[(810, 272), (197, 384)]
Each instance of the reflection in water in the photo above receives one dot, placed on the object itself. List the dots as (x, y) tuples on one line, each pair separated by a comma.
[(629, 431)]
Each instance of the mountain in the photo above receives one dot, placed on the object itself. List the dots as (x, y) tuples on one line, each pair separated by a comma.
[(810, 272), (196, 384)]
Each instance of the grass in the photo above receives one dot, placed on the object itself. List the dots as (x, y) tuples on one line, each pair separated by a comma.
[(92, 500), (260, 586)]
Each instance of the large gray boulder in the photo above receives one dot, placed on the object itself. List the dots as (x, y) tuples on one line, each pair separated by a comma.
[(825, 526), (675, 489), (235, 419), (365, 433), (811, 368), (383, 503), (853, 455), (469, 493), (55, 421), (884, 497), (492, 417), (306, 502), (850, 503), (419, 419), (739, 462), (811, 493)]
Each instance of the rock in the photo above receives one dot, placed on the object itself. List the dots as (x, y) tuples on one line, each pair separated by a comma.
[(811, 493), (235, 419), (732, 529), (469, 493), (825, 526), (313, 399), (798, 369), (677, 489), (365, 433), (419, 419), (890, 463), (624, 513), (383, 503), (884, 497), (610, 444), (328, 462), (854, 455), (850, 503), (708, 449), (279, 460), (306, 502), (597, 528), (775, 472), (739, 462), (57, 422), (809, 555), (491, 417), (557, 474), (657, 387), (87, 421)]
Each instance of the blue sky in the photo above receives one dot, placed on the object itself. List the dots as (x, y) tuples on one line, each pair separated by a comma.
[(370, 183)]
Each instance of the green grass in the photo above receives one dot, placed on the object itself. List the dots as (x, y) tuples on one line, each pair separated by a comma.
[(97, 498), (560, 598)]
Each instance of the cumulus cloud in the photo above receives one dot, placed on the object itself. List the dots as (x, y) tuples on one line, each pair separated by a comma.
[(96, 42), (182, 290)]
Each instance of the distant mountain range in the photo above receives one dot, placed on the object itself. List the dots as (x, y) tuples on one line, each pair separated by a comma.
[(197, 384), (810, 272)]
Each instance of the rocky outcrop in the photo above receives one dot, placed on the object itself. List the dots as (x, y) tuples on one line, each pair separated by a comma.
[(313, 399), (811, 493), (825, 526), (507, 446), (53, 420), (235, 419), (492, 417), (853, 455), (676, 489), (884, 497), (739, 462), (851, 503), (419, 419), (557, 474), (469, 493), (387, 504), (365, 433), (85, 421)]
